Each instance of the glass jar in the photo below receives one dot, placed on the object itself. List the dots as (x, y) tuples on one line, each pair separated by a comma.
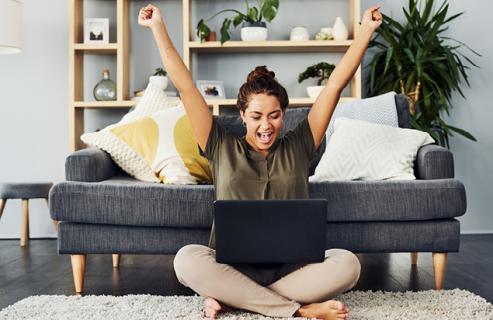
[(105, 90)]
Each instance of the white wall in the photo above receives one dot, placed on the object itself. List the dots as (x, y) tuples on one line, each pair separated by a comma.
[(473, 160), (33, 90), (34, 112)]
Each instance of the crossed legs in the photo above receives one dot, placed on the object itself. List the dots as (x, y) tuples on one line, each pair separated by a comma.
[(196, 267)]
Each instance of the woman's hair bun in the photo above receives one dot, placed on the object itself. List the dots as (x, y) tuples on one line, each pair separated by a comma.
[(260, 72), (261, 81)]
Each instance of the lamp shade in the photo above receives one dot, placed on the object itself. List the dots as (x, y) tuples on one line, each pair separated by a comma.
[(10, 26)]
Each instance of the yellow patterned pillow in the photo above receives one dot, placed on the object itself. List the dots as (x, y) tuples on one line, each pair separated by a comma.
[(158, 148)]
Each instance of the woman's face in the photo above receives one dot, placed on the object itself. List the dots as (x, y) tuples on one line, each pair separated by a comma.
[(263, 119)]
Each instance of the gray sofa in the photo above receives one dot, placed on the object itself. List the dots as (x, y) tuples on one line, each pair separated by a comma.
[(104, 211)]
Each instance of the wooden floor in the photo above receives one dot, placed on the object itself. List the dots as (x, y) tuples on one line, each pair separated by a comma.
[(38, 270)]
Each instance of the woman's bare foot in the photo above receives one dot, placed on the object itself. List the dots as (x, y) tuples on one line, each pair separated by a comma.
[(212, 308), (328, 310)]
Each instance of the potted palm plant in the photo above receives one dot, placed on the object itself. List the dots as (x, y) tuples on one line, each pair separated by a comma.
[(322, 72), (254, 20), (418, 60)]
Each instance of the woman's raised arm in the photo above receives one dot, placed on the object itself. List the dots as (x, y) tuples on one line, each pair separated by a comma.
[(321, 111), (197, 110)]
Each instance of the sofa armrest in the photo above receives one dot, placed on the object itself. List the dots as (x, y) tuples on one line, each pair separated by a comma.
[(89, 165), (434, 162)]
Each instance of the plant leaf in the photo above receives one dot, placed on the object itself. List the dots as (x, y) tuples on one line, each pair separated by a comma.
[(225, 31), (269, 9), (237, 20), (463, 133), (252, 14), (390, 50), (202, 30)]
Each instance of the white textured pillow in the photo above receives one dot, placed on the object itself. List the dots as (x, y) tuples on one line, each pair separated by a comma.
[(153, 101), (360, 150)]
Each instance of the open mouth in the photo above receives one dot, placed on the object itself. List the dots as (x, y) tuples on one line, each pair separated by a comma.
[(264, 137)]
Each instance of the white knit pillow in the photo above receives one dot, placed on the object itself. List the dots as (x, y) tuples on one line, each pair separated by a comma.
[(153, 101), (361, 150)]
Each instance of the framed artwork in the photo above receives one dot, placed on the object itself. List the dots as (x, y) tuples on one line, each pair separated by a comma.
[(211, 89), (96, 30)]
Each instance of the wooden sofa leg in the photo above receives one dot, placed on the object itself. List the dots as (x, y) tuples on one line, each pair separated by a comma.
[(78, 269), (116, 260), (439, 263), (25, 223), (2, 205), (414, 258), (55, 224)]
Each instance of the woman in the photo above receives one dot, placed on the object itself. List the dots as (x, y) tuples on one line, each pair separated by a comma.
[(280, 167)]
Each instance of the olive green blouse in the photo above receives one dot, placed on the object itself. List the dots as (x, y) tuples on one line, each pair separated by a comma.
[(241, 173)]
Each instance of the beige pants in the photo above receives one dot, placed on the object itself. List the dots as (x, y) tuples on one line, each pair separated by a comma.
[(272, 292)]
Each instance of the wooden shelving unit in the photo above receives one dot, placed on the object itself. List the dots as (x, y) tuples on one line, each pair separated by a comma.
[(77, 49), (120, 49), (271, 46)]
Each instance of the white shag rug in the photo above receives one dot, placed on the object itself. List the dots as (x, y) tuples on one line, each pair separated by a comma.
[(429, 305)]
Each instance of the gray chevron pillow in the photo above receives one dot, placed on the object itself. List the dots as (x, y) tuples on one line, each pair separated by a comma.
[(380, 109)]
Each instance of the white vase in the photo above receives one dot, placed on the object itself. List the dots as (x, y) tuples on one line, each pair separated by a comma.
[(254, 32), (159, 81), (314, 91), (299, 34), (339, 30)]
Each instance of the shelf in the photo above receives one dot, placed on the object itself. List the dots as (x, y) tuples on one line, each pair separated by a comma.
[(104, 104), (293, 102), (271, 46), (108, 48)]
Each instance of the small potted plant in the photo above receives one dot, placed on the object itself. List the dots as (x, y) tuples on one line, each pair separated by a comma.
[(159, 78), (322, 71), (254, 27)]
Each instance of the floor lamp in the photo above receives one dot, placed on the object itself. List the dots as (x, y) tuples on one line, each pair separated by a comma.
[(10, 26)]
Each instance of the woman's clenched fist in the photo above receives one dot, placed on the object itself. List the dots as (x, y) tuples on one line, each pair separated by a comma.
[(149, 16)]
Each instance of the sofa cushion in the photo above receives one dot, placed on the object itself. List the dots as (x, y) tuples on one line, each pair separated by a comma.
[(124, 201), (402, 106), (396, 200), (419, 236)]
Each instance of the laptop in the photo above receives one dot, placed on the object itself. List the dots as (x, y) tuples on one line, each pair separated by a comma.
[(270, 231)]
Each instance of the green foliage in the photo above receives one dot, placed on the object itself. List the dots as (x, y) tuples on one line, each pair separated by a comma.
[(203, 30), (417, 59), (321, 70), (160, 72), (265, 11)]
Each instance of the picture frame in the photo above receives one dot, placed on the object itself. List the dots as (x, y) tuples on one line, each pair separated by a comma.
[(211, 89), (96, 30)]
